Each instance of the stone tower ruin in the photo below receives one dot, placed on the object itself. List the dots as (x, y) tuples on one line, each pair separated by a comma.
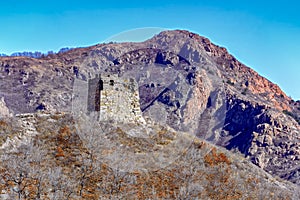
[(115, 99)]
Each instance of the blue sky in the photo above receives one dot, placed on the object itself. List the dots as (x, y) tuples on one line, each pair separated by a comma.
[(264, 35)]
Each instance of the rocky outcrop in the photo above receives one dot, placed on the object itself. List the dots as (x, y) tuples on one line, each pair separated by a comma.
[(269, 138), (24, 137), (275, 146)]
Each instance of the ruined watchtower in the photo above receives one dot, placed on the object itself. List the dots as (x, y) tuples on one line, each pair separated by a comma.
[(115, 99)]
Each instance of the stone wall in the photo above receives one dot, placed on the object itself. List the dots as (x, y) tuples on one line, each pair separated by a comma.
[(93, 103)]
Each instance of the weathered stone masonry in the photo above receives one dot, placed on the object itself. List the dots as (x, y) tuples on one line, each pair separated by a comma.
[(115, 99)]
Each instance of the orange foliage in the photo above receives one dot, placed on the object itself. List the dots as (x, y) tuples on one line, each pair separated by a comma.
[(59, 152), (252, 180), (213, 158), (89, 194), (65, 132), (56, 117), (3, 123), (163, 182)]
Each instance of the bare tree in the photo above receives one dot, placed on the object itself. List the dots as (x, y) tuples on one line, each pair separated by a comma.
[(192, 162), (36, 159), (62, 186), (17, 172)]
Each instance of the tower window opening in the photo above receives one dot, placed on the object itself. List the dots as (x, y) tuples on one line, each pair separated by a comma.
[(111, 82), (100, 85)]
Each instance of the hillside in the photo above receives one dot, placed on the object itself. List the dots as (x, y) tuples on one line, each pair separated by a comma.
[(58, 162)]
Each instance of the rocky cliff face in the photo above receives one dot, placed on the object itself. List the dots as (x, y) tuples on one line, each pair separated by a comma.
[(184, 81)]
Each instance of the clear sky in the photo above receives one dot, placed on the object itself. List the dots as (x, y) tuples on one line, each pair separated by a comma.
[(264, 35)]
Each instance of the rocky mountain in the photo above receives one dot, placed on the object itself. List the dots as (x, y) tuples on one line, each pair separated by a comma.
[(185, 82)]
